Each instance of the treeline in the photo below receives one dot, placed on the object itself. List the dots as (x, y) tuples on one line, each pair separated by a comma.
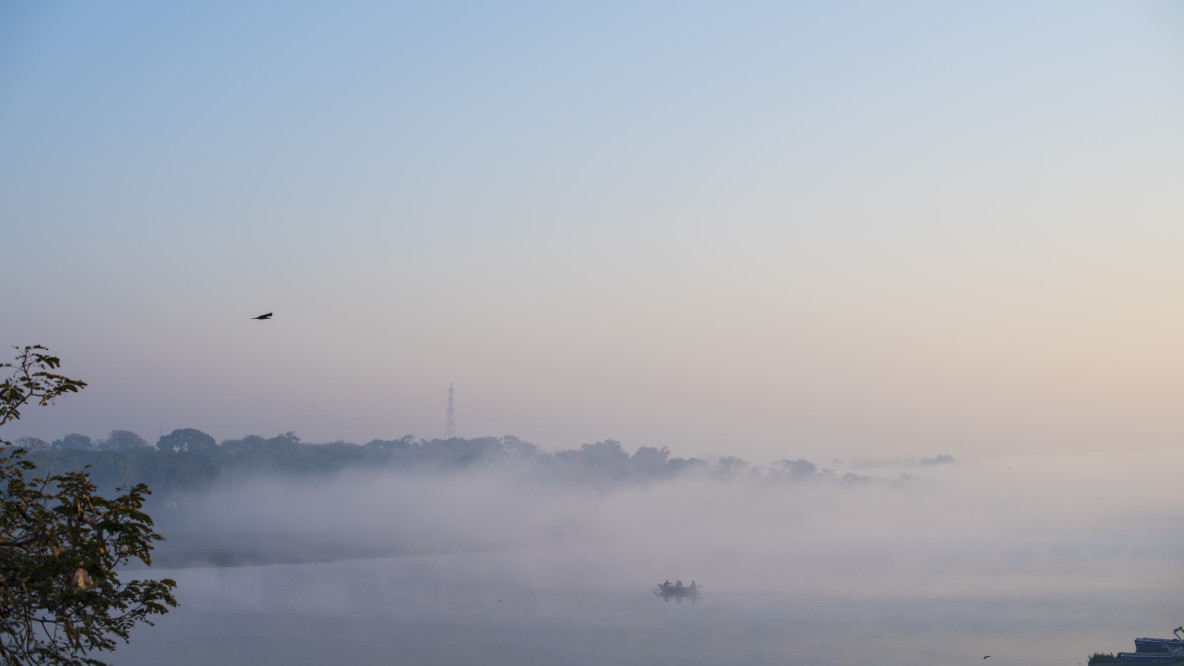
[(189, 460)]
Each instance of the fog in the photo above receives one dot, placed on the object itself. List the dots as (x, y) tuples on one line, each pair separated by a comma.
[(763, 230), (1034, 560)]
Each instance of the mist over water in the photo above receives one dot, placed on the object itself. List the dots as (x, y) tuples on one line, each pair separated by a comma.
[(1037, 560), (750, 230)]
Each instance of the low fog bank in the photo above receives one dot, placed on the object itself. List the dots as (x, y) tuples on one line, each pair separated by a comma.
[(1035, 561), (1023, 526)]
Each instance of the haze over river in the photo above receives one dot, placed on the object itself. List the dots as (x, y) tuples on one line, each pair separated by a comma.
[(952, 565), (485, 608)]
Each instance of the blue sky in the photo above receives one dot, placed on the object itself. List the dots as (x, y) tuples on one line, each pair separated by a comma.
[(758, 229)]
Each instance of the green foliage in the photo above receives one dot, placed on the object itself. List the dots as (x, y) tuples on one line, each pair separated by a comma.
[(74, 441), (32, 443), (31, 379), (189, 460), (187, 440), (123, 440), (61, 543)]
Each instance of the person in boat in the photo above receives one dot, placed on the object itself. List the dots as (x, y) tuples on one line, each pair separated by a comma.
[(667, 583), (679, 583)]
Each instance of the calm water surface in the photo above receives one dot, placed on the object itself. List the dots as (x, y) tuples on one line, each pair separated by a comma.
[(541, 607)]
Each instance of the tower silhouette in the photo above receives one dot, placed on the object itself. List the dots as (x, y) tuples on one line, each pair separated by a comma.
[(450, 417)]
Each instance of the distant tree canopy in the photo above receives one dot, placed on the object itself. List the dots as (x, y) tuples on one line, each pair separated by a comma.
[(31, 443), (798, 469), (123, 440), (938, 460), (74, 441), (187, 440), (188, 460)]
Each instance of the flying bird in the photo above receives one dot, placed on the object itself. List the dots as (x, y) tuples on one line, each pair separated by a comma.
[(263, 316)]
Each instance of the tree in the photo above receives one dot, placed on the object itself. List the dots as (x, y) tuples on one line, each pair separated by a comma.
[(246, 443), (61, 544), (799, 469), (187, 440), (123, 440), (32, 443), (650, 461), (74, 441)]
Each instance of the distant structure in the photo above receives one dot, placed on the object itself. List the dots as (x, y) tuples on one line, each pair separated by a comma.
[(450, 417)]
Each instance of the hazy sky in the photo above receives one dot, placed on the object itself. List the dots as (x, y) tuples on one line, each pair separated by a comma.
[(759, 229)]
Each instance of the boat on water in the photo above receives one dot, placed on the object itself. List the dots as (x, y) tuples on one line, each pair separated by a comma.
[(677, 590)]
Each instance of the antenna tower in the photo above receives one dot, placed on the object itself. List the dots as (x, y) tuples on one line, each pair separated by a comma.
[(449, 417)]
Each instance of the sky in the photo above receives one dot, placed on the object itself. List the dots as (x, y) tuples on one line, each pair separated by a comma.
[(769, 230)]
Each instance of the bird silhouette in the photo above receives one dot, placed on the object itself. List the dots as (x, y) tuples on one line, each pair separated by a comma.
[(263, 316)]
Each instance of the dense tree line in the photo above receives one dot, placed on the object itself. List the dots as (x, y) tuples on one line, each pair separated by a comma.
[(188, 459)]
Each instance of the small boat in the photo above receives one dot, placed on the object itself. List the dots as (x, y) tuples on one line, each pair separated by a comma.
[(678, 590)]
